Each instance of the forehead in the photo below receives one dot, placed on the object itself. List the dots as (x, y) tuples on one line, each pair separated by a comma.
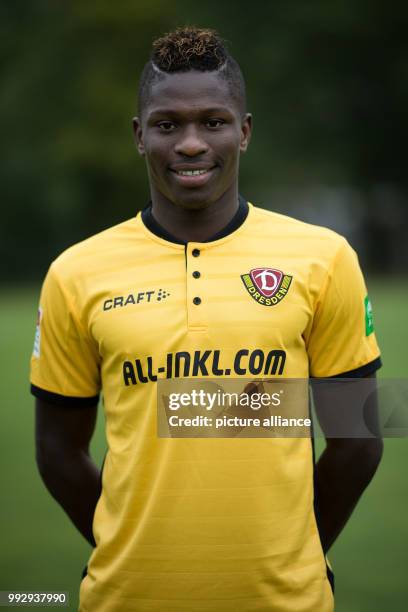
[(182, 92)]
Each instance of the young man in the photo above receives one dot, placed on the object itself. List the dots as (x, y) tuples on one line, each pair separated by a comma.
[(201, 284)]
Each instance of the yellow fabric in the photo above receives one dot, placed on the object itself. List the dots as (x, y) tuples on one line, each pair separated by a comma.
[(200, 524)]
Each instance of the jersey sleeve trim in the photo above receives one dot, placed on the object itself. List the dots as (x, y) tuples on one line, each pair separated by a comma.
[(365, 370), (63, 400)]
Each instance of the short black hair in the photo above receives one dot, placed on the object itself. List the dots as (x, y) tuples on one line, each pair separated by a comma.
[(191, 48)]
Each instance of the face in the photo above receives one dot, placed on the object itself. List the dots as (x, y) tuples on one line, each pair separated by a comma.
[(192, 133)]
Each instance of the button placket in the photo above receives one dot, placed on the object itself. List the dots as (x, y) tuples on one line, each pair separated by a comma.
[(195, 299)]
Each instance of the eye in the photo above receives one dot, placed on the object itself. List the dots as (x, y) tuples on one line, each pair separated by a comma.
[(166, 126), (215, 123)]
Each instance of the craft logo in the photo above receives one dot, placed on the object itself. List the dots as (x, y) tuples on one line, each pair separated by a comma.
[(132, 299), (266, 285)]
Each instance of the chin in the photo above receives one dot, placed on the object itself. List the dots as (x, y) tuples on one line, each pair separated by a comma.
[(196, 202)]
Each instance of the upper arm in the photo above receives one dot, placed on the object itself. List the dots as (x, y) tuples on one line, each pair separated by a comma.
[(64, 374), (343, 353), (347, 409), (60, 428)]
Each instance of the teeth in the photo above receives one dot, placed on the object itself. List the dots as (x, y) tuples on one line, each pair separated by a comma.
[(191, 172)]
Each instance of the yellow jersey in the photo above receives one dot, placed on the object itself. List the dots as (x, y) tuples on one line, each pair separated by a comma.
[(201, 524)]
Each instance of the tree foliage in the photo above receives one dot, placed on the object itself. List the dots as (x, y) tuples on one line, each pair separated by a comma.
[(327, 83)]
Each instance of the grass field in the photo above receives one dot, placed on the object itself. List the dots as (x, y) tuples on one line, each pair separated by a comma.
[(42, 550)]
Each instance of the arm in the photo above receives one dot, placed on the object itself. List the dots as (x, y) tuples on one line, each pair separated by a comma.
[(345, 467), (62, 452)]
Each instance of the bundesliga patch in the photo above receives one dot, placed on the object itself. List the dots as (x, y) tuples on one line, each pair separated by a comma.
[(37, 338), (369, 323), (266, 285)]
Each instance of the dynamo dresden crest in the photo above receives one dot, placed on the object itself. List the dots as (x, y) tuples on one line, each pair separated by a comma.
[(266, 285)]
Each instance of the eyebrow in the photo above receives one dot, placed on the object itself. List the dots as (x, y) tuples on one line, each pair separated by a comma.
[(171, 112)]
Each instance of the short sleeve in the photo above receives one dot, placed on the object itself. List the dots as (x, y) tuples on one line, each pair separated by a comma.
[(341, 341), (65, 359)]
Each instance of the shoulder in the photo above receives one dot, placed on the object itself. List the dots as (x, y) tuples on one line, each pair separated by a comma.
[(301, 236), (292, 226), (95, 253)]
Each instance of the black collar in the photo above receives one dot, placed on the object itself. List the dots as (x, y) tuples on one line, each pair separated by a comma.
[(236, 221)]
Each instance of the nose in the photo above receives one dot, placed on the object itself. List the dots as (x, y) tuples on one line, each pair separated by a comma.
[(191, 143)]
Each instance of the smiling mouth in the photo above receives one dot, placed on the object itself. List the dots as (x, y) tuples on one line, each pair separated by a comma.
[(198, 169), (192, 177), (192, 172)]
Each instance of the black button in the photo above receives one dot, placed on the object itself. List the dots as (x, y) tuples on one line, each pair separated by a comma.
[(196, 274), (197, 301), (195, 252)]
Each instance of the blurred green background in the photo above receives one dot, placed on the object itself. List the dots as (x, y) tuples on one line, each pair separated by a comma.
[(328, 87)]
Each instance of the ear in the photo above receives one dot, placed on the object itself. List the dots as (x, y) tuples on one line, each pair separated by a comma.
[(246, 131), (138, 133)]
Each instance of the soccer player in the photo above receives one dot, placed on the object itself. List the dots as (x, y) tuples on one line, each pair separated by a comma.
[(201, 284)]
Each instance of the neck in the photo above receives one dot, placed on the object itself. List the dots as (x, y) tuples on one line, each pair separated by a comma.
[(195, 225)]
